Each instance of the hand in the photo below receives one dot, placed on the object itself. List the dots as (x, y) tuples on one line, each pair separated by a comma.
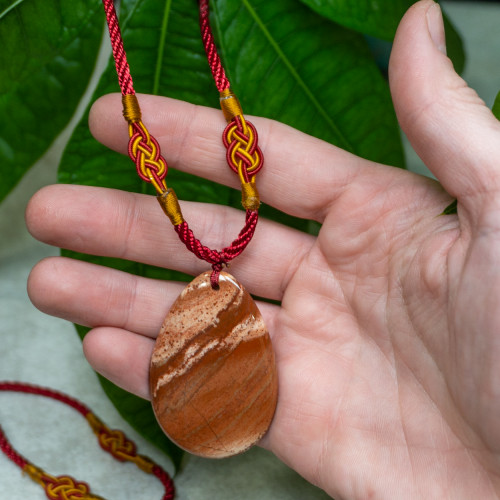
[(387, 340)]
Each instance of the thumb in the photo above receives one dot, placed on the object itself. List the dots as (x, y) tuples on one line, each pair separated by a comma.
[(448, 125)]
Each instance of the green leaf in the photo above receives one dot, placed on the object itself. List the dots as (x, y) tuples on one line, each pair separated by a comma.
[(303, 70), (289, 64), (380, 19), (454, 45), (451, 208), (496, 107), (48, 51)]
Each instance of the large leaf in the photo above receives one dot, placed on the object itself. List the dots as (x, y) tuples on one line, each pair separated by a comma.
[(48, 50), (454, 45), (292, 65), (380, 19), (308, 71)]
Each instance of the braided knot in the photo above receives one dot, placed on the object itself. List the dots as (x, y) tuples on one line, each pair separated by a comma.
[(116, 443), (67, 488), (145, 152), (243, 153)]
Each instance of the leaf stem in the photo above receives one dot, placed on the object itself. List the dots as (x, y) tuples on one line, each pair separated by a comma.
[(161, 46), (8, 9)]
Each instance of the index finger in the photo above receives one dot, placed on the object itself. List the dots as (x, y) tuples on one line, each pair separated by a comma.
[(302, 175)]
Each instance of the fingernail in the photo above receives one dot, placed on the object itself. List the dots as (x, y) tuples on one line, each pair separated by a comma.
[(436, 27)]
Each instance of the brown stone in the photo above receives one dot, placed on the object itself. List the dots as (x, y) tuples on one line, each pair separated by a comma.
[(213, 377)]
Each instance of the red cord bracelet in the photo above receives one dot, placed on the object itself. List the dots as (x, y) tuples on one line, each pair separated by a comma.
[(112, 441)]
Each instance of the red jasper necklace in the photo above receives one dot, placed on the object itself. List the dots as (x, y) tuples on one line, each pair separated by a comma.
[(213, 378)]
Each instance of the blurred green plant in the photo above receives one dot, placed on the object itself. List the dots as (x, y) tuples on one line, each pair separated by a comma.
[(306, 63), (496, 107)]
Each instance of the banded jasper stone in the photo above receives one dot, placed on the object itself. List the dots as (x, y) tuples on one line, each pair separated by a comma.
[(213, 377)]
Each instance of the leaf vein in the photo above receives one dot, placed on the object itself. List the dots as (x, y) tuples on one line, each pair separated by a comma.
[(10, 7), (274, 44), (161, 46)]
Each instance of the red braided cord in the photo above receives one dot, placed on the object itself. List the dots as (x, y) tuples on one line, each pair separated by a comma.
[(167, 482), (122, 67), (215, 258), (48, 393), (22, 462), (221, 81), (6, 447)]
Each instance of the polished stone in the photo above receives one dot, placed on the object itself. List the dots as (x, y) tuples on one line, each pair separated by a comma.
[(213, 378)]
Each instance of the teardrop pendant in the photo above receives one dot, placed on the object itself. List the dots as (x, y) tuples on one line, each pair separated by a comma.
[(213, 377)]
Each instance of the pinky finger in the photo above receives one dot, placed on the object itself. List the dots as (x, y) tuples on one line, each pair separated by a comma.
[(120, 356)]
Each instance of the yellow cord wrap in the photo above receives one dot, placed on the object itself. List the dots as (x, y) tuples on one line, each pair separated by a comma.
[(230, 105), (144, 463), (250, 196), (35, 473), (170, 205), (131, 109), (96, 424)]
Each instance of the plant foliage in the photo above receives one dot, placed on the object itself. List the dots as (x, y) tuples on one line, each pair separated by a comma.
[(46, 48), (496, 107)]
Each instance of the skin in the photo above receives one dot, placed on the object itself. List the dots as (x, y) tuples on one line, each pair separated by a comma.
[(388, 337)]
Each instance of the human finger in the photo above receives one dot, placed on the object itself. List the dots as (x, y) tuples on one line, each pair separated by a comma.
[(90, 295), (302, 175), (120, 356), (131, 226), (449, 126)]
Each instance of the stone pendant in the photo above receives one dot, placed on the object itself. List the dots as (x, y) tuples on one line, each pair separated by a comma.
[(213, 377)]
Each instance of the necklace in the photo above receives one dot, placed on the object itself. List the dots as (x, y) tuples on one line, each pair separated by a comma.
[(213, 378), (112, 441)]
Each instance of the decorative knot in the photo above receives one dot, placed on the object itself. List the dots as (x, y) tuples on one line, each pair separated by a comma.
[(243, 153), (145, 152), (116, 443), (67, 488)]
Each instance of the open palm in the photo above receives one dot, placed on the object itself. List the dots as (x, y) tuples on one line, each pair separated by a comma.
[(389, 328)]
